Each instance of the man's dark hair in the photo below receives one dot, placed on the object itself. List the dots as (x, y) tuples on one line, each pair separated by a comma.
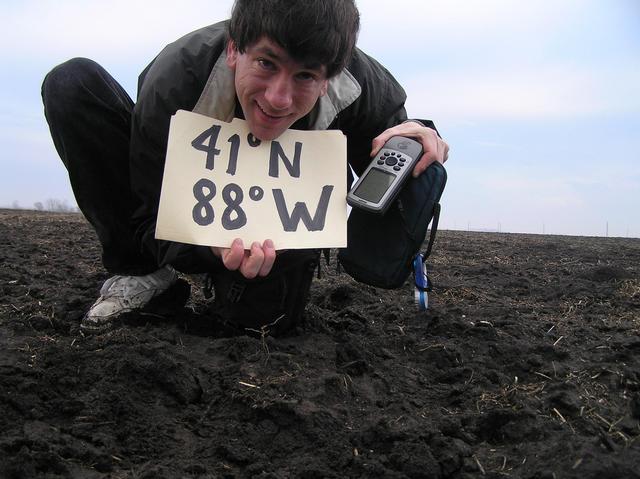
[(313, 32)]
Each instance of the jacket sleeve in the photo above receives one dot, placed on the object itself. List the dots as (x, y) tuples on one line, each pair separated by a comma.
[(173, 81)]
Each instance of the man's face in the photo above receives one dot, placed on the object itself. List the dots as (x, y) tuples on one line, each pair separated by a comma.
[(273, 89)]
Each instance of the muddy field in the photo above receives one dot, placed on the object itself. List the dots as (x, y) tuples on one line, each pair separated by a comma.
[(527, 365)]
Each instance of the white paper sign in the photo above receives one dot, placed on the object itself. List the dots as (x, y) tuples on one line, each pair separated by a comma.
[(221, 183)]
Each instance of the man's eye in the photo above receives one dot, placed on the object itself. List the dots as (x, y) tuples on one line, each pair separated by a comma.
[(306, 76), (266, 64)]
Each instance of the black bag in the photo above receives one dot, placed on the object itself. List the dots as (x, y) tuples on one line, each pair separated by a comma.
[(273, 304), (381, 248)]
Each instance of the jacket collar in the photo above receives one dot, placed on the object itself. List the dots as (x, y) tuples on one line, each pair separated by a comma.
[(218, 98)]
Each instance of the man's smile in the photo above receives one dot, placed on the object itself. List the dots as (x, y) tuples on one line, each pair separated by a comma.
[(274, 117)]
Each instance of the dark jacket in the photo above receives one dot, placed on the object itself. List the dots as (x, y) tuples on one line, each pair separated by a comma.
[(190, 74)]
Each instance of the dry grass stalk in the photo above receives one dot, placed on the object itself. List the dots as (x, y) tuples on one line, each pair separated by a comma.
[(562, 419), (475, 458)]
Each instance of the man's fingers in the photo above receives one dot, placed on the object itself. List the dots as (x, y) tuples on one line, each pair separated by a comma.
[(379, 141), (440, 152), (434, 148), (423, 163), (232, 257), (446, 152), (252, 263), (410, 129), (256, 261), (269, 251)]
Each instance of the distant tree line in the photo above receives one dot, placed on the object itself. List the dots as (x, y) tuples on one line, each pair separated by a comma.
[(52, 204)]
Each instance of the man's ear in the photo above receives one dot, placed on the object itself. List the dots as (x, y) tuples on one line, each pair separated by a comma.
[(232, 54)]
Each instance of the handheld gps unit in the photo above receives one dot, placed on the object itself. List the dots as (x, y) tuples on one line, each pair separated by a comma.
[(383, 179)]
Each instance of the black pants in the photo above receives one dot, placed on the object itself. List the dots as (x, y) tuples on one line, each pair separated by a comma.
[(89, 115)]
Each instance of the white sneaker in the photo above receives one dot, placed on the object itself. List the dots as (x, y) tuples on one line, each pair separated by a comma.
[(121, 294)]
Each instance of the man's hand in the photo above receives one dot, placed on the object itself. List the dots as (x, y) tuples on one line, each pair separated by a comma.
[(433, 147), (253, 262)]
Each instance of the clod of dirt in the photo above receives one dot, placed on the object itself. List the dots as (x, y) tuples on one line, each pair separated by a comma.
[(566, 399), (607, 273), (635, 406)]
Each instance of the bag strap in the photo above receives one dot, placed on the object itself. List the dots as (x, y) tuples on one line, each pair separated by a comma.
[(422, 283), (434, 229)]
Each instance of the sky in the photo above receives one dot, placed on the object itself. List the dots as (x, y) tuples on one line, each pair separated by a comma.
[(539, 101)]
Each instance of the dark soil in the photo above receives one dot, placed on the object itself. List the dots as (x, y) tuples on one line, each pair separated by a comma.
[(527, 365)]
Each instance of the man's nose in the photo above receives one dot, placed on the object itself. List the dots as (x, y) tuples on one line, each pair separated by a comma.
[(279, 93)]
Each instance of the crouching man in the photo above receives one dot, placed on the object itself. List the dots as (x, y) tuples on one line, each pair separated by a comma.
[(277, 64)]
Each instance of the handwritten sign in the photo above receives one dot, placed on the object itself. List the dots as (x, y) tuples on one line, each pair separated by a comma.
[(222, 183)]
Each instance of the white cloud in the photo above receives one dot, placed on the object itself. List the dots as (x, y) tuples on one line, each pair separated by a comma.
[(433, 24), (545, 91), (531, 190), (55, 28), (496, 145), (118, 28)]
